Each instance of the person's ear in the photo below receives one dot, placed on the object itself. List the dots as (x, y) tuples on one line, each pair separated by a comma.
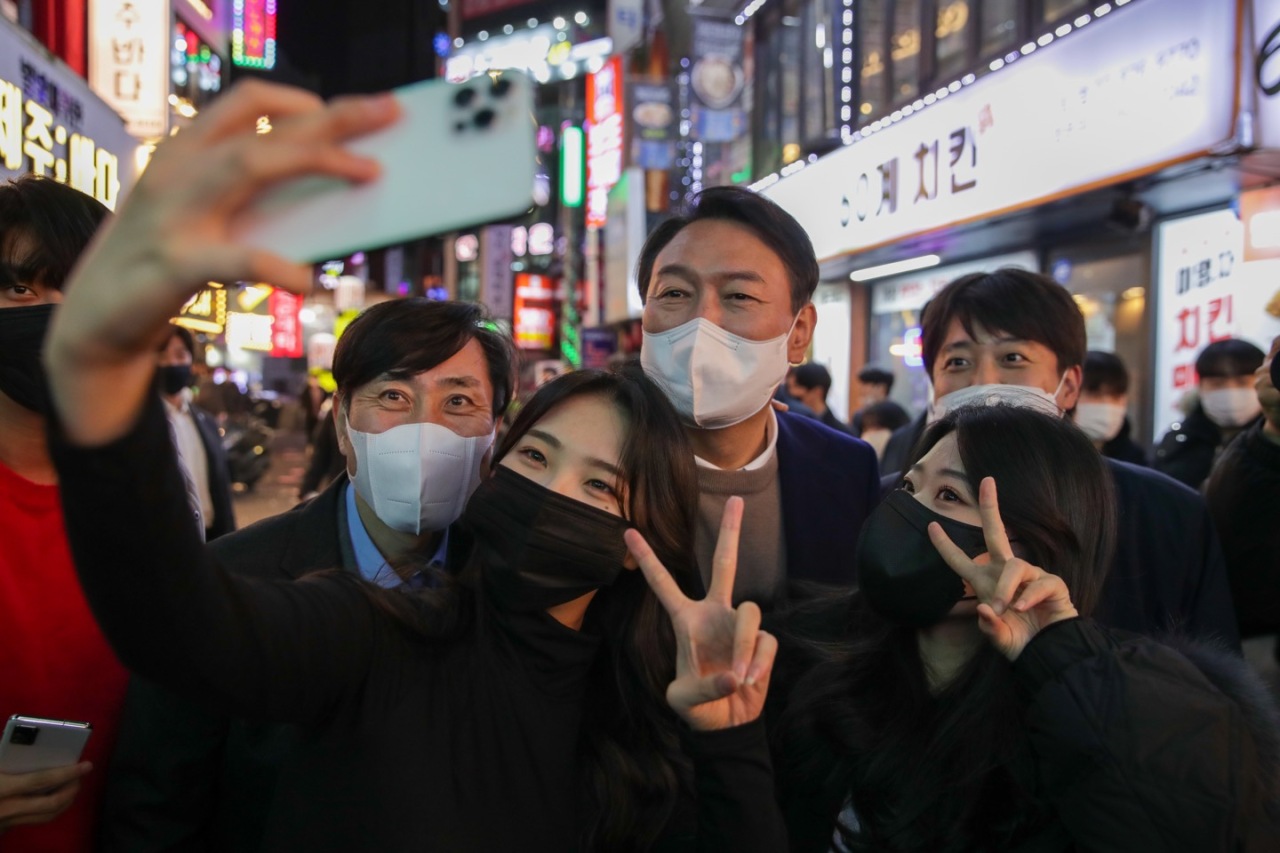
[(344, 440), (802, 334), (1072, 381)]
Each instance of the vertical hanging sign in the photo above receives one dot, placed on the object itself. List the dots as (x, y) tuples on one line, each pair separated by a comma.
[(129, 61), (604, 138), (253, 33), (286, 324)]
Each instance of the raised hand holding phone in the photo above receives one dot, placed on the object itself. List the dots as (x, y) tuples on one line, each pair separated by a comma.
[(723, 659), (175, 232), (1016, 599)]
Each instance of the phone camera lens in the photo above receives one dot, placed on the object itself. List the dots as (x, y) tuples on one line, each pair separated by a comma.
[(484, 118), (24, 735), (500, 87), (464, 97)]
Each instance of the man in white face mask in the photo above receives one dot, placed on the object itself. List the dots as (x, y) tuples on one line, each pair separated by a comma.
[(1102, 411), (421, 386), (727, 292), (1017, 338), (1227, 403)]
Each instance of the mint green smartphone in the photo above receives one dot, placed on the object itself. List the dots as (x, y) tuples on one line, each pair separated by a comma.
[(461, 154)]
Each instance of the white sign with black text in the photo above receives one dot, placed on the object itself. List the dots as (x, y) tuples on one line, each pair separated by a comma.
[(1207, 292), (1145, 85)]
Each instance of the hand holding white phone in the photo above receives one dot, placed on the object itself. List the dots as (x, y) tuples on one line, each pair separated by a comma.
[(459, 155)]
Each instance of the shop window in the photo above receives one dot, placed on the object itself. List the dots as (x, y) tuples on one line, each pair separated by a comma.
[(874, 77), (1056, 10), (999, 26), (951, 32), (905, 50)]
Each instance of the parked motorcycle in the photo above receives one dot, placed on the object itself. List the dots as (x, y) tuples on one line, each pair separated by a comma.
[(247, 441)]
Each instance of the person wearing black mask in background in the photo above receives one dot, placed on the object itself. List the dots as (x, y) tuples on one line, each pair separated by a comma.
[(966, 702), (1226, 404), (54, 661), (522, 707), (195, 436), (1102, 411)]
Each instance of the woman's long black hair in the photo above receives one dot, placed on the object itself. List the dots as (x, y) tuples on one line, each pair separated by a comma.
[(947, 770), (633, 766)]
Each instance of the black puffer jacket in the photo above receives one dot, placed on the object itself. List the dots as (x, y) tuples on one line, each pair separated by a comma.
[(1136, 746), (1124, 448), (1244, 498), (1188, 449)]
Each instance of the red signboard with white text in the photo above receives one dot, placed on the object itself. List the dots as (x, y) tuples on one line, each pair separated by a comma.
[(286, 324), (605, 110)]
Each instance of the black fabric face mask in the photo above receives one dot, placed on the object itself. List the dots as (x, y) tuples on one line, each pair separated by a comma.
[(902, 575), (538, 548), (174, 377), (22, 333)]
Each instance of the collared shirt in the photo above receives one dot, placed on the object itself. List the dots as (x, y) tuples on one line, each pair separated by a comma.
[(369, 560), (771, 447), (191, 452)]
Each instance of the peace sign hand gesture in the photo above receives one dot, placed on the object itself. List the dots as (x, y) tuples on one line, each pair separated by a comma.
[(1016, 599), (723, 659)]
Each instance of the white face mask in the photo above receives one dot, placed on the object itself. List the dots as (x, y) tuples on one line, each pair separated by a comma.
[(1025, 396), (1100, 421), (417, 477), (1231, 407), (714, 378)]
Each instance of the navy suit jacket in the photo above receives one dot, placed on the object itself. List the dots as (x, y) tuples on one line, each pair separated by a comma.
[(830, 483)]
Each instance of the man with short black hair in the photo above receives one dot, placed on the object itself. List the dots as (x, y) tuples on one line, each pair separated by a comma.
[(1102, 411), (195, 436), (1227, 404), (727, 292), (1017, 337), (874, 385), (810, 383), (422, 386)]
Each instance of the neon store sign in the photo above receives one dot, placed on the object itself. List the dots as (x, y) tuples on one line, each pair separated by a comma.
[(40, 137), (253, 33)]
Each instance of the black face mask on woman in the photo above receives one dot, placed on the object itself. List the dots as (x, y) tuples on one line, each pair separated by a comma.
[(539, 548), (22, 333), (902, 575)]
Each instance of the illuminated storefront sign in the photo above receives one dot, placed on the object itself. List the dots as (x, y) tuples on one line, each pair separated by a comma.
[(535, 315), (286, 324), (253, 33), (196, 70), (1148, 85), (128, 67), (249, 331), (52, 124), (206, 312), (604, 138), (1207, 291)]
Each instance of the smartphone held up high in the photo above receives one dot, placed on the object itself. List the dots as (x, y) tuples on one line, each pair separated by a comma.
[(461, 154)]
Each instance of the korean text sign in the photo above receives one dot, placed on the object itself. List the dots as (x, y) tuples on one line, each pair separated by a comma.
[(1207, 292), (129, 61), (1147, 84), (52, 124)]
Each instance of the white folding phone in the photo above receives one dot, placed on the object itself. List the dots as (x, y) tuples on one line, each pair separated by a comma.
[(36, 743), (461, 154)]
